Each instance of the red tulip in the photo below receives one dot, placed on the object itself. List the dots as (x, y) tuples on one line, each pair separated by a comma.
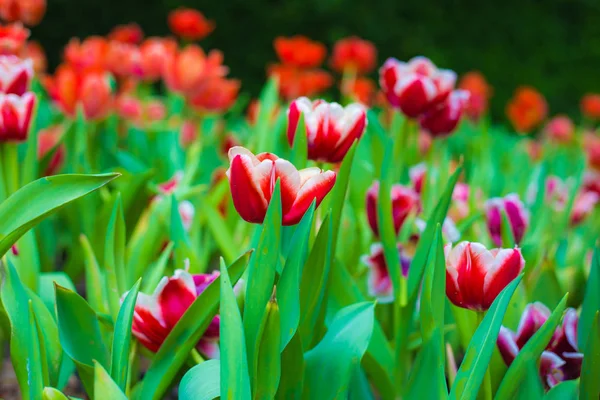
[(590, 106), (15, 116), (330, 128), (362, 90), (15, 75), (48, 139), (295, 82), (252, 181), (583, 206), (475, 276), (479, 94), (517, 215), (216, 95), (123, 60), (130, 33), (415, 86), (379, 281), (35, 52), (300, 51), (404, 201), (89, 54), (442, 119), (417, 174), (527, 109), (155, 315), (354, 53), (560, 129), (156, 54), (12, 38), (129, 108), (190, 24), (191, 68), (30, 12)]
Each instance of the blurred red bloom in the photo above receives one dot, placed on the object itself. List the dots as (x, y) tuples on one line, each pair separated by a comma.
[(89, 54), (590, 106), (362, 90), (129, 107), (300, 51), (216, 95), (191, 68), (527, 109), (480, 92), (15, 75), (12, 38), (190, 24), (295, 82), (48, 140), (35, 52), (155, 110), (442, 119), (591, 144), (15, 116), (354, 53), (188, 133), (30, 12), (123, 59), (560, 129), (91, 89), (130, 33), (156, 53), (404, 199), (228, 142)]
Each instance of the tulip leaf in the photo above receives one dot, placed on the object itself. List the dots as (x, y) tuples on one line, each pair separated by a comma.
[(122, 338), (508, 238), (261, 277), (591, 301), (155, 272), (288, 288), (590, 370), (566, 390), (479, 353), (531, 387), (269, 357), (378, 138), (47, 294), (36, 200), (104, 386), (291, 381), (266, 105), (27, 262), (219, 230), (95, 283), (114, 257), (185, 335), (300, 144), (532, 350), (332, 362), (51, 393), (202, 382), (37, 372), (235, 381)]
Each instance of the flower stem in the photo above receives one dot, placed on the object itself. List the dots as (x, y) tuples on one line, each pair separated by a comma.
[(196, 357), (485, 391), (10, 165)]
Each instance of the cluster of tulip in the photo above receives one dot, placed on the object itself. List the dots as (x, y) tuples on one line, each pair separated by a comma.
[(356, 216)]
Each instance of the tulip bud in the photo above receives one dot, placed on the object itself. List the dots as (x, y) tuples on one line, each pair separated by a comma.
[(560, 129), (190, 24), (517, 214), (442, 119), (15, 116), (404, 201)]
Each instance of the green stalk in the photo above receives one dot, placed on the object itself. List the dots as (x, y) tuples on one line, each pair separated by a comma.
[(485, 391), (401, 128), (10, 157)]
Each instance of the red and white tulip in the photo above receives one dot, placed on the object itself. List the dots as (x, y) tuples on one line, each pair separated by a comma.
[(518, 217), (252, 180), (404, 201), (475, 275), (15, 116), (442, 118), (15, 75), (379, 281)]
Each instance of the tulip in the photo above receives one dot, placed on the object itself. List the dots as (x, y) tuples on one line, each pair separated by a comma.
[(191, 68), (475, 275), (189, 24), (35, 52), (442, 119), (583, 206), (156, 53), (89, 54), (590, 106), (130, 33), (479, 94), (300, 51), (129, 108), (404, 201), (560, 129), (12, 38), (216, 95), (355, 54), (156, 315), (527, 109), (518, 217), (15, 116), (30, 12), (561, 360), (252, 181), (15, 75), (48, 140), (123, 59), (295, 82), (330, 128), (417, 174), (415, 86), (379, 281)]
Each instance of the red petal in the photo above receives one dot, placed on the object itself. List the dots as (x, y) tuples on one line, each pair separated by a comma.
[(507, 345), (176, 297), (248, 199), (289, 179), (316, 187), (293, 117), (507, 265)]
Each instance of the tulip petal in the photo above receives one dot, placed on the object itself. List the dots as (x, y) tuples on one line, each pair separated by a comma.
[(246, 192), (290, 179), (317, 187), (533, 317), (507, 345), (176, 296), (508, 263)]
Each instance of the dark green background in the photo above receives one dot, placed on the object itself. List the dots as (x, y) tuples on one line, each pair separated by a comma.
[(553, 45)]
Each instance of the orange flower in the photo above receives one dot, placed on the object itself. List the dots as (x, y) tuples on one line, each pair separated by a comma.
[(300, 51), (354, 53), (216, 95), (527, 109), (30, 12), (90, 89), (123, 59), (191, 68), (590, 106), (363, 90), (190, 24), (12, 38), (130, 33), (156, 53), (35, 52), (89, 54), (295, 82), (480, 92)]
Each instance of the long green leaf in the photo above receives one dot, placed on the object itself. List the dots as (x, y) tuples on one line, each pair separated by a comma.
[(114, 257), (591, 301), (33, 202), (95, 283), (267, 103), (590, 370), (35, 369), (291, 381), (567, 390), (104, 386), (219, 230), (269, 358), (202, 382)]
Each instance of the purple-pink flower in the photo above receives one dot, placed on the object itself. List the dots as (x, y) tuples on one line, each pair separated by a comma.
[(518, 217), (379, 281)]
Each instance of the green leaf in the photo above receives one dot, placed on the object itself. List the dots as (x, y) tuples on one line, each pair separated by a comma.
[(50, 393), (567, 390), (508, 239), (477, 356), (47, 280), (531, 351), (531, 387), (202, 382), (79, 333), (114, 257), (300, 145), (288, 287), (331, 364), (267, 103), (122, 338), (104, 386), (155, 272), (33, 202), (235, 381), (261, 276), (184, 336), (291, 381), (591, 301), (36, 378), (95, 283), (269, 358), (219, 230), (590, 370)]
